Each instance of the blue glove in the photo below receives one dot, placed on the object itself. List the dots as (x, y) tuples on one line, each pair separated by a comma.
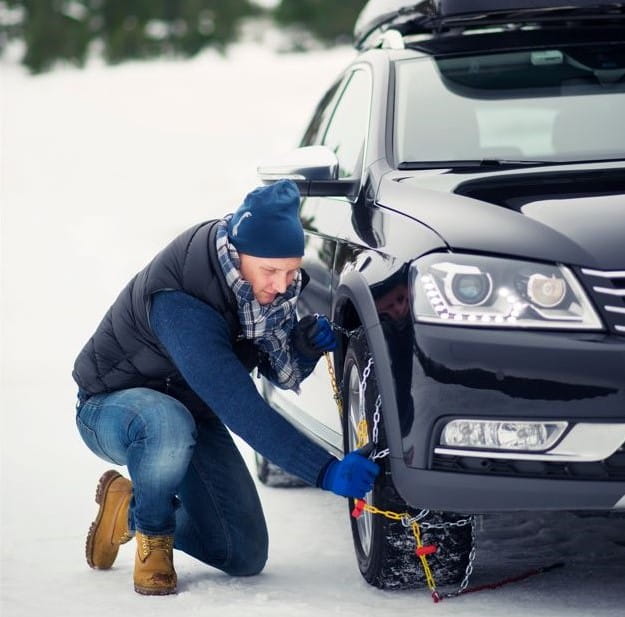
[(312, 336), (352, 477)]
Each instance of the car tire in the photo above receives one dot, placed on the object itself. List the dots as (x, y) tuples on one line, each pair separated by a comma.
[(270, 474), (385, 549)]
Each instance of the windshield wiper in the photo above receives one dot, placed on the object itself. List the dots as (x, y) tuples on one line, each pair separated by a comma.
[(475, 163), (497, 163)]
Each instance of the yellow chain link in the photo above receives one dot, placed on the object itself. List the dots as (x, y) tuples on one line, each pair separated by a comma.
[(362, 433), (416, 532), (335, 386), (429, 577), (362, 436), (387, 513)]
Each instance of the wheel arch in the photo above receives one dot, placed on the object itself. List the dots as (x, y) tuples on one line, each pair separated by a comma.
[(354, 307)]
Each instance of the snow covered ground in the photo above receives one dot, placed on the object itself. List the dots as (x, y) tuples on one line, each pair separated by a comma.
[(100, 168)]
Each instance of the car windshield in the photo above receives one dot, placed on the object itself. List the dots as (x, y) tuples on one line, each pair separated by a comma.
[(552, 105)]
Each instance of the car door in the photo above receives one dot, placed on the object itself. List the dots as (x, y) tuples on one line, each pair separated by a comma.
[(341, 123)]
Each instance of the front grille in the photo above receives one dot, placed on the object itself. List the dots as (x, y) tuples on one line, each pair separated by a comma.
[(608, 291), (611, 469)]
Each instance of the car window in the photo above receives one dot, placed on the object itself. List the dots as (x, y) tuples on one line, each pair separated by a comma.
[(317, 126), (554, 105), (347, 130)]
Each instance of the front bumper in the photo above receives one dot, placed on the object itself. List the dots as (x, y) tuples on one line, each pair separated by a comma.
[(452, 372), (437, 490)]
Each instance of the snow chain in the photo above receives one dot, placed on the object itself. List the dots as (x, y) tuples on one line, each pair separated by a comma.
[(414, 523), (335, 386)]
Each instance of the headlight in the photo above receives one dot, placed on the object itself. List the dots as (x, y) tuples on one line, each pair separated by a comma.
[(471, 290)]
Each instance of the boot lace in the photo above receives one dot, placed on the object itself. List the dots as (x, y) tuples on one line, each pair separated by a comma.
[(126, 537), (153, 543)]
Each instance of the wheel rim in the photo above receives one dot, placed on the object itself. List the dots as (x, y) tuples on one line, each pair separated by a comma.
[(355, 402)]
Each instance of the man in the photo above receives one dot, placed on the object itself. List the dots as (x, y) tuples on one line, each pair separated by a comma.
[(166, 372)]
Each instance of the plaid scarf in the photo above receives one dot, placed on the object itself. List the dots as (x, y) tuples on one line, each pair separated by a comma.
[(269, 326)]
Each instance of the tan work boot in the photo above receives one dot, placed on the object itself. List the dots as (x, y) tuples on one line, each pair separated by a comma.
[(154, 565), (110, 528)]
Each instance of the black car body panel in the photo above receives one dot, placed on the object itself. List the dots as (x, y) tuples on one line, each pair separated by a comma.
[(568, 215), (471, 373)]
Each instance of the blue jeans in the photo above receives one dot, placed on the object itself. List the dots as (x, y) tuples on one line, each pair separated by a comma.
[(189, 480)]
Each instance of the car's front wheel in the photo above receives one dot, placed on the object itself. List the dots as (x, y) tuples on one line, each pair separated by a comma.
[(385, 549)]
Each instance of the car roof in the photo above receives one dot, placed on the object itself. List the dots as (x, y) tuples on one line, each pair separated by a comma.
[(439, 17)]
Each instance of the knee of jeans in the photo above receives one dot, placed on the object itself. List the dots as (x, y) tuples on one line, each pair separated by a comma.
[(167, 422), (250, 562)]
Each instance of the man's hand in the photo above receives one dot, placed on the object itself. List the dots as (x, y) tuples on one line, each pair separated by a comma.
[(313, 336), (352, 477)]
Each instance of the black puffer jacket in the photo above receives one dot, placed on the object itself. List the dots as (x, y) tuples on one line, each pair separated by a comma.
[(124, 353)]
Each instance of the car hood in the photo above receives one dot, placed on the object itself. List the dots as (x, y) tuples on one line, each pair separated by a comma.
[(572, 214)]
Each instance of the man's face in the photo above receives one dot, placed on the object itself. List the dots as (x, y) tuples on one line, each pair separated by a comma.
[(395, 303), (268, 276)]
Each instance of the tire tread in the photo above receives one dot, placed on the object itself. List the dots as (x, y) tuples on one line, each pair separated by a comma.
[(394, 564)]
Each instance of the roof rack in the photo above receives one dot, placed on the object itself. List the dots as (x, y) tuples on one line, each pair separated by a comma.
[(390, 39), (444, 17)]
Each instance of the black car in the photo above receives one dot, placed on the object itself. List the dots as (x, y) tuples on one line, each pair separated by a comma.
[(463, 188)]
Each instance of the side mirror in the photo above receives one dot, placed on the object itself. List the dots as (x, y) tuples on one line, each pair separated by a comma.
[(315, 170)]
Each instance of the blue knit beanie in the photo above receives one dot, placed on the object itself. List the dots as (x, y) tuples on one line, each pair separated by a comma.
[(267, 223)]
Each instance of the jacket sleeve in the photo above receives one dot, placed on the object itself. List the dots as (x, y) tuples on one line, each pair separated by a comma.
[(197, 340)]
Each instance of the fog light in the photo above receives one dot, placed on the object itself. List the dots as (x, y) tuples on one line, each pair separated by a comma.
[(487, 434)]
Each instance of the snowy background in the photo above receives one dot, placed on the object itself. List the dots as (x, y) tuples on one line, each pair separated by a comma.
[(99, 169)]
